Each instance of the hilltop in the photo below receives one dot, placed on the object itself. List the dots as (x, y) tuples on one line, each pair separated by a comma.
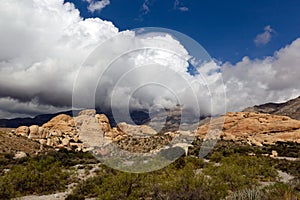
[(290, 108)]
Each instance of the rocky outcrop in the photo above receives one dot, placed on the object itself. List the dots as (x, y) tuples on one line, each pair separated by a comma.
[(58, 132), (89, 130), (290, 108), (137, 131), (103, 122), (255, 128), (22, 130)]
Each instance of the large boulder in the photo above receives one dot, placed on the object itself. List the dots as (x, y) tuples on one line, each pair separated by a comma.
[(89, 130), (20, 155), (34, 132), (23, 131), (41, 132)]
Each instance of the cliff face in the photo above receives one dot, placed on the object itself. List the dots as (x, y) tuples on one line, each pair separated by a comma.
[(290, 108)]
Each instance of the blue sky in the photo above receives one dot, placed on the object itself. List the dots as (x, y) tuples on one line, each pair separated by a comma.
[(226, 29)]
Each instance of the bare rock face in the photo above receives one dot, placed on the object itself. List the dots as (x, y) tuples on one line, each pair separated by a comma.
[(255, 128), (90, 131), (64, 123), (113, 133), (89, 112), (103, 122), (137, 131), (23, 131), (34, 132), (41, 132)]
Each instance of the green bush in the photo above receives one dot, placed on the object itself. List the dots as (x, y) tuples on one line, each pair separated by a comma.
[(41, 176), (179, 180), (75, 197), (247, 194), (238, 172)]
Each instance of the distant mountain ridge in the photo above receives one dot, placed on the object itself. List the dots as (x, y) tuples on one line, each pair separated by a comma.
[(290, 108), (139, 117), (28, 121)]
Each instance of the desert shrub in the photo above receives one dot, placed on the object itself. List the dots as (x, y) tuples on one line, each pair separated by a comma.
[(247, 194), (75, 197), (195, 162), (186, 184), (41, 176), (290, 167), (288, 149), (70, 158), (179, 180), (280, 191), (238, 172), (7, 190), (216, 157)]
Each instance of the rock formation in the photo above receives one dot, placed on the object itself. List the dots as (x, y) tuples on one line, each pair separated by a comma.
[(89, 130), (255, 128)]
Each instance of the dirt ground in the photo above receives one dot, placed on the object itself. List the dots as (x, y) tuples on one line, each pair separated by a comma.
[(10, 144)]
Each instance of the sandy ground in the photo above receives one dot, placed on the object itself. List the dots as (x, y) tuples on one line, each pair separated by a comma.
[(6, 130)]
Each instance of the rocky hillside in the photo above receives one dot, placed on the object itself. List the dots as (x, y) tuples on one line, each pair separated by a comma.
[(11, 144), (255, 128), (290, 108)]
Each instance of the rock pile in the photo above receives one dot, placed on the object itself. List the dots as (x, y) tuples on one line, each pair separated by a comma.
[(255, 128), (59, 132), (89, 129)]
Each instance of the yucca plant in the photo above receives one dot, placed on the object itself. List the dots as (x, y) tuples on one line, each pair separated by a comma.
[(246, 194)]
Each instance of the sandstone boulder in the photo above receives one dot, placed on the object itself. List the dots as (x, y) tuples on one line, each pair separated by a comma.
[(89, 130), (41, 132), (22, 130), (65, 142), (274, 154), (34, 132), (20, 155)]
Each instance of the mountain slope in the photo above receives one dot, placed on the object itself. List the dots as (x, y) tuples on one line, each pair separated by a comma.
[(290, 108)]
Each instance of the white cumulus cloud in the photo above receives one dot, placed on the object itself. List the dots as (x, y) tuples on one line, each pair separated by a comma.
[(273, 79)]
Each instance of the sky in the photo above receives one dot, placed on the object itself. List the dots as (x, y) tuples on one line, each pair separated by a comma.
[(254, 46), (226, 29)]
